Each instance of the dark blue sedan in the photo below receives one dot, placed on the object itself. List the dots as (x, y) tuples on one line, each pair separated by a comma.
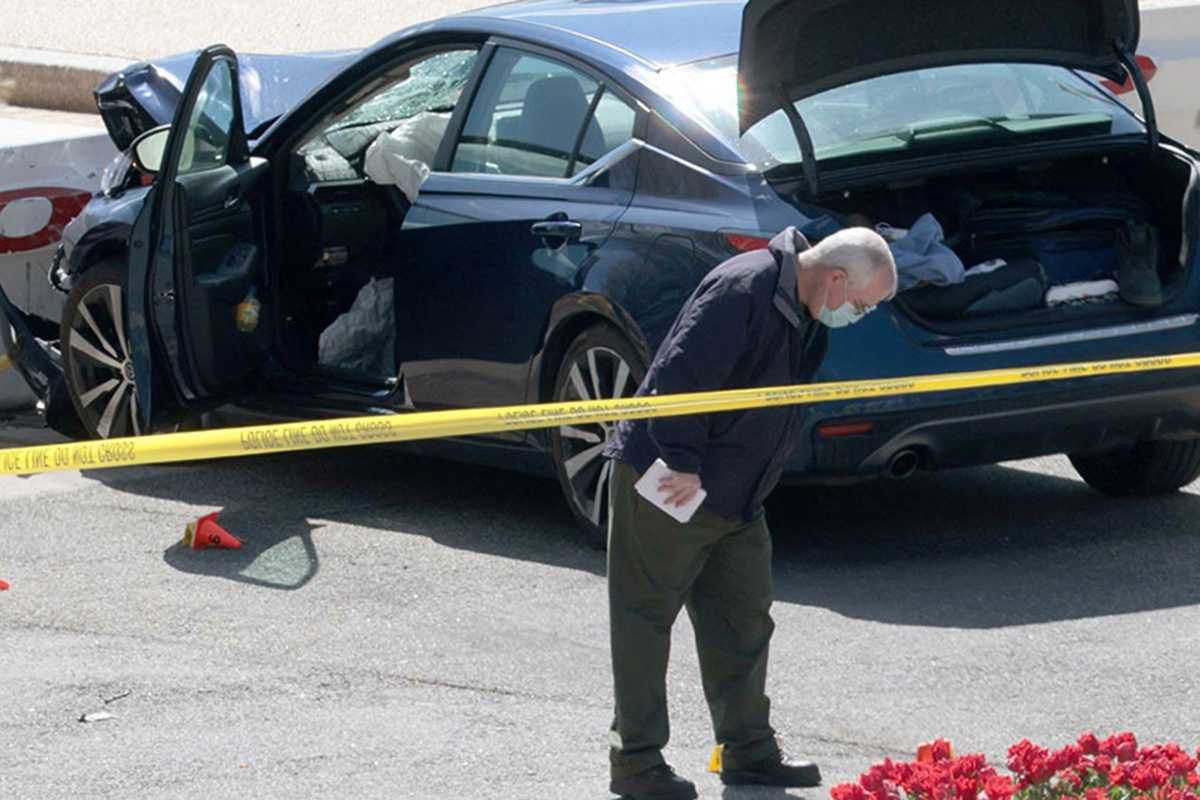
[(509, 207)]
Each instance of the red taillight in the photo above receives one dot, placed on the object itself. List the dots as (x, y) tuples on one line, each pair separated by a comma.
[(744, 243), (846, 429), (1148, 67)]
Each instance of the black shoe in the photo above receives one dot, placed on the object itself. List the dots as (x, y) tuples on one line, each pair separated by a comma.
[(775, 770), (1137, 265), (656, 783)]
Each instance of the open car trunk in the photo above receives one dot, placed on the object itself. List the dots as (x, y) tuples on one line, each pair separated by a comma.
[(1002, 200), (1028, 242)]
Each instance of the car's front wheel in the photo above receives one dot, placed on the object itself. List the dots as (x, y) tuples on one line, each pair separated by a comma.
[(99, 371), (599, 365), (1150, 467)]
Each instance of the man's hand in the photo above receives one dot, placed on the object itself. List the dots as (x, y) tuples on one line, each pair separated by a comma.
[(682, 487)]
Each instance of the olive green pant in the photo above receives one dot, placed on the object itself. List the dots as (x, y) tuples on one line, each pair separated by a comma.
[(721, 570)]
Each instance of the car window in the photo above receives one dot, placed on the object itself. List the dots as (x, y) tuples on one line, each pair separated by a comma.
[(963, 105), (208, 131), (613, 121), (407, 109), (535, 116)]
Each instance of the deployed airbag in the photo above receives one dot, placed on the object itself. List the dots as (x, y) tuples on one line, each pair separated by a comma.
[(402, 156)]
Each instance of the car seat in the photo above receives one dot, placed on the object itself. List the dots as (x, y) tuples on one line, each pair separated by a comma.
[(554, 109)]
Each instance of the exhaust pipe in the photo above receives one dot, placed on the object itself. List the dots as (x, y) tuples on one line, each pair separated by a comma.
[(903, 464)]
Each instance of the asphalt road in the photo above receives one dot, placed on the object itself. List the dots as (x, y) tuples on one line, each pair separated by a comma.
[(402, 627)]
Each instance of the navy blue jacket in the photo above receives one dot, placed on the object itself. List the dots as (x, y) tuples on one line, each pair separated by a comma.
[(743, 327)]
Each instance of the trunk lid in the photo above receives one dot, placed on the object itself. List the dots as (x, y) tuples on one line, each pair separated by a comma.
[(791, 49)]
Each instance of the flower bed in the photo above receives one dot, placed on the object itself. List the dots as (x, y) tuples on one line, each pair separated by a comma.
[(1088, 769)]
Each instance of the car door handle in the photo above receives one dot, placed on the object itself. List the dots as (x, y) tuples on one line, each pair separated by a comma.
[(557, 229), (232, 199)]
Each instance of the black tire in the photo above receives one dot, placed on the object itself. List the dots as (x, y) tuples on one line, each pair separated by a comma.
[(1150, 467), (99, 372), (599, 364)]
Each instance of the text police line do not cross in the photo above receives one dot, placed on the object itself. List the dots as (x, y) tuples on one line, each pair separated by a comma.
[(348, 431)]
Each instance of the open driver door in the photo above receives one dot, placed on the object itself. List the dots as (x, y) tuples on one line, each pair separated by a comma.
[(197, 259)]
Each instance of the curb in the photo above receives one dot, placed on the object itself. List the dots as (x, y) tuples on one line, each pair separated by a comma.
[(56, 81)]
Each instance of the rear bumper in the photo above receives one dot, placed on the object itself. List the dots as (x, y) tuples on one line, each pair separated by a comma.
[(1068, 419)]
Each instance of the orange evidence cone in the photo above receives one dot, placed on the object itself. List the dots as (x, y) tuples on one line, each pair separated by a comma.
[(3, 585), (205, 532)]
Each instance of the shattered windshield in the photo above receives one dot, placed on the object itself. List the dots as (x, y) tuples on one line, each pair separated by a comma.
[(418, 91), (433, 84), (972, 104)]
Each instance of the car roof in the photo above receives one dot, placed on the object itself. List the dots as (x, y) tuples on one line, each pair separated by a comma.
[(844, 40), (660, 33)]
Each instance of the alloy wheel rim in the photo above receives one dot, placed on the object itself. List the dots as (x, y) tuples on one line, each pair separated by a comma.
[(602, 374), (101, 369)]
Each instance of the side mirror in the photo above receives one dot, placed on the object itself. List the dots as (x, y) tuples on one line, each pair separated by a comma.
[(148, 149)]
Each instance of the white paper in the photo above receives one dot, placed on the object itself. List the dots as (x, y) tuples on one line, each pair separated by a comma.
[(647, 487)]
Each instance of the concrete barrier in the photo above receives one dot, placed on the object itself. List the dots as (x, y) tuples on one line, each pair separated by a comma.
[(37, 161)]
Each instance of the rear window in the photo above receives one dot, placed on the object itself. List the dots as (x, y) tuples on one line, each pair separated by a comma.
[(965, 105)]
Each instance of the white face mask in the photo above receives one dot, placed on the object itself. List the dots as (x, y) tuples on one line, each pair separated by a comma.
[(840, 317)]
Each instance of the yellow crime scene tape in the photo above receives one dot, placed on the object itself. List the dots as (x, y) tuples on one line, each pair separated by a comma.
[(376, 429)]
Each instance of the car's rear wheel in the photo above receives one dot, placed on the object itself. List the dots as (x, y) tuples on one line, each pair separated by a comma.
[(1149, 467), (599, 365), (99, 371)]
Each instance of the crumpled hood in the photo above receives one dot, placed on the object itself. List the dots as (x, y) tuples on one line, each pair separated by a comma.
[(791, 49), (145, 95)]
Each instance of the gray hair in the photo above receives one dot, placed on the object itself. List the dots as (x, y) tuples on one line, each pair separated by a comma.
[(861, 252)]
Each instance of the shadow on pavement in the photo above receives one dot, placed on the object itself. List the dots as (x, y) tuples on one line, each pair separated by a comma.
[(984, 548), (276, 552), (974, 548), (277, 505)]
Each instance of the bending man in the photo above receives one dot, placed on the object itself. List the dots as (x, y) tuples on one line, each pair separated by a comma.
[(759, 319)]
